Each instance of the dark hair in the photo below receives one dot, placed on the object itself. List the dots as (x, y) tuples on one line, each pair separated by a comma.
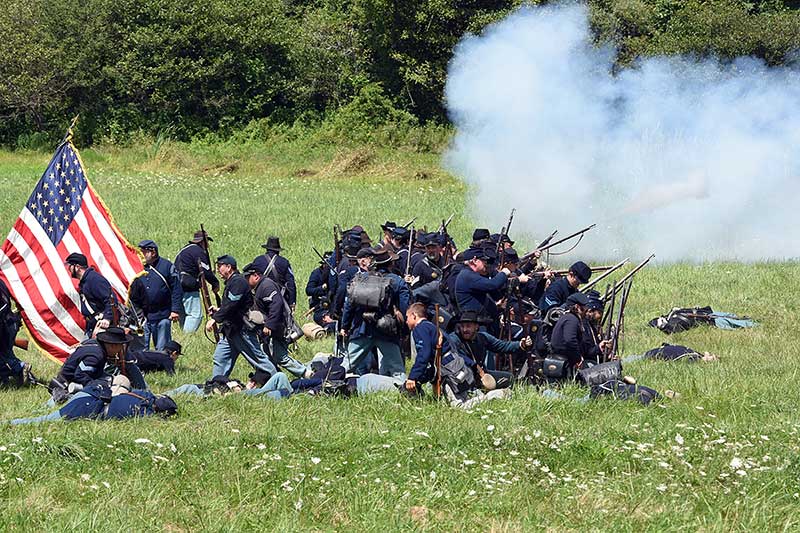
[(418, 309)]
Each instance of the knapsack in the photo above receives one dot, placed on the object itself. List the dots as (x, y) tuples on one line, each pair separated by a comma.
[(371, 291), (457, 374), (625, 391)]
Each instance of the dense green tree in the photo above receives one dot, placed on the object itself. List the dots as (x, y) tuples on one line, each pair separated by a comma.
[(186, 68)]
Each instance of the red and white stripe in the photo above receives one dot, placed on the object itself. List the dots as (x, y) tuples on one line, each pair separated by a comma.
[(35, 273)]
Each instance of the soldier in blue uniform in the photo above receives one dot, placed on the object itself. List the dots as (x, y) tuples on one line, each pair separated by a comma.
[(368, 329), (12, 371), (192, 262), (425, 336), (568, 339), (159, 360), (476, 289), (163, 301), (358, 259), (533, 289), (277, 268), (99, 401), (237, 300), (387, 228), (320, 289), (592, 336), (431, 266), (91, 360), (97, 298), (559, 290), (271, 330), (476, 346), (480, 237)]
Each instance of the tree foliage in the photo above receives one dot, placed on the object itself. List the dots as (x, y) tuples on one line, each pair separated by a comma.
[(190, 68)]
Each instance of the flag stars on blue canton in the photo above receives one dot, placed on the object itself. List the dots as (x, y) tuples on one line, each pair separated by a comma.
[(57, 197)]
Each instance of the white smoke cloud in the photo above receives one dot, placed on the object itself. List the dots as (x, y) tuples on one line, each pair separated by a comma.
[(692, 160)]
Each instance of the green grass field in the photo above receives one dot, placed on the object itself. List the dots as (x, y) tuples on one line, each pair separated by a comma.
[(722, 457)]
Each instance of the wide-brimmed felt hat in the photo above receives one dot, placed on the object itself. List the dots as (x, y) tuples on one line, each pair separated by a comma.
[(273, 243), (471, 316), (480, 234), (388, 226), (173, 346), (383, 255), (198, 237), (114, 335)]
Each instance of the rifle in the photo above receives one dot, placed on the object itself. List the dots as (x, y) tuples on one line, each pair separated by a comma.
[(547, 240), (205, 294), (608, 272), (407, 224), (445, 223), (525, 259), (410, 247), (564, 272), (22, 344), (501, 249), (337, 244), (437, 359), (630, 274), (610, 311), (620, 318), (449, 251)]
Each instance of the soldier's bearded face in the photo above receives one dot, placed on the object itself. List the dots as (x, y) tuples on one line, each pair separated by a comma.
[(468, 330)]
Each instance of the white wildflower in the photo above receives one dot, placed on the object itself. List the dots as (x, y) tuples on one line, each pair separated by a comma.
[(316, 460), (679, 439)]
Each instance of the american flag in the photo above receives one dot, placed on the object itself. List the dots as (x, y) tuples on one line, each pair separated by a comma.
[(63, 215)]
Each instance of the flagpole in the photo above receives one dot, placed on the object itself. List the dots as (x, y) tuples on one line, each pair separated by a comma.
[(68, 136)]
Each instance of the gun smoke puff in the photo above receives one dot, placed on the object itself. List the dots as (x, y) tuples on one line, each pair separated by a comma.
[(693, 159)]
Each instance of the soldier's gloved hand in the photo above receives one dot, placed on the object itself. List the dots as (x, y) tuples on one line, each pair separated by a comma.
[(103, 323), (74, 387), (526, 343)]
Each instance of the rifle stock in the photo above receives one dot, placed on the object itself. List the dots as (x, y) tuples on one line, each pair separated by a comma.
[(437, 361), (22, 344), (205, 294)]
